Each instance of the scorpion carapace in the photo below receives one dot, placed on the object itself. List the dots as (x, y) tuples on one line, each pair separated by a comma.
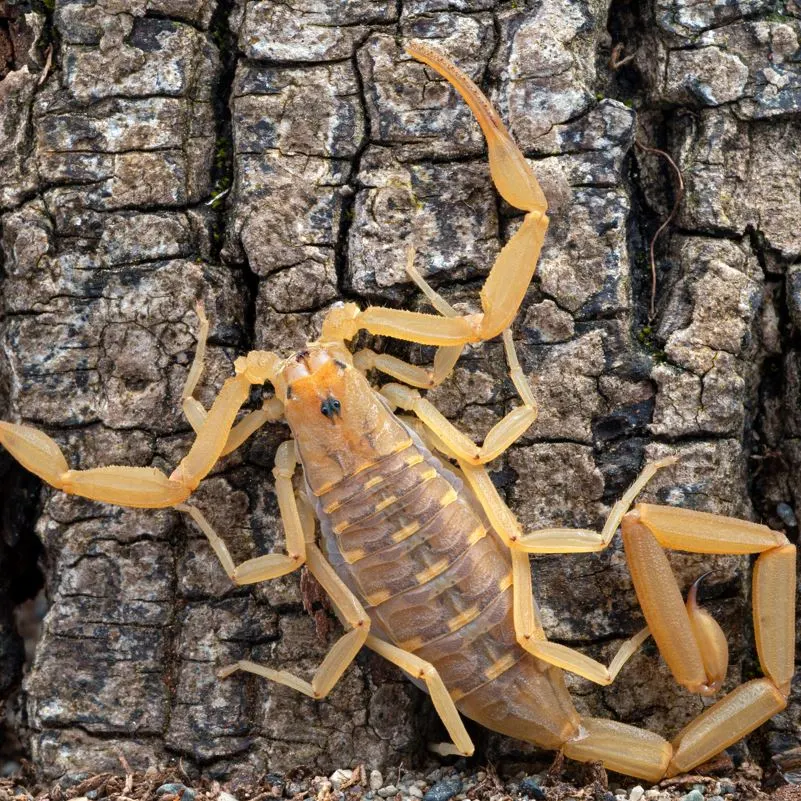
[(423, 561)]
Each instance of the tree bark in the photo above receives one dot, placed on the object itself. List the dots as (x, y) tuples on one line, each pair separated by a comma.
[(272, 159)]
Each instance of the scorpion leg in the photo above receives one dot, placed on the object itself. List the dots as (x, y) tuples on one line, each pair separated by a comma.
[(411, 374), (144, 487), (424, 671), (444, 359), (271, 565), (528, 629), (193, 408), (271, 411), (343, 651), (298, 522), (500, 436), (513, 270)]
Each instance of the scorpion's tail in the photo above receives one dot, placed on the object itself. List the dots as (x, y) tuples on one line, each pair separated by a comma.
[(641, 753)]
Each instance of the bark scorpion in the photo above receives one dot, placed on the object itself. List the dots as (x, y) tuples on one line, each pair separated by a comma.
[(423, 561)]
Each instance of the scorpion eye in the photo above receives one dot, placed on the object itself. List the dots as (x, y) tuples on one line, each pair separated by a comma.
[(331, 407)]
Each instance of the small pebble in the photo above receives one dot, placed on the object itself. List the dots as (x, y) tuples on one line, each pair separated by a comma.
[(177, 789), (71, 779), (171, 787), (415, 792), (444, 790), (388, 791), (339, 777), (636, 793), (786, 513), (714, 798), (693, 795), (223, 796), (376, 780), (530, 786), (726, 788)]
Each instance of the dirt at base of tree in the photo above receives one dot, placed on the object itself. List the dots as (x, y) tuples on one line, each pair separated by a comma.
[(584, 783)]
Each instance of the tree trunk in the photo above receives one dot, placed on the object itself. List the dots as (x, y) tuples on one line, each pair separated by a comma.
[(122, 127)]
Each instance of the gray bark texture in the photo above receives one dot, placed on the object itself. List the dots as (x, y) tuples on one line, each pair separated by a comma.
[(123, 121)]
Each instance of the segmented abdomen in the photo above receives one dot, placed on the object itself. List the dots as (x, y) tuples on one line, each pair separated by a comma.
[(412, 543)]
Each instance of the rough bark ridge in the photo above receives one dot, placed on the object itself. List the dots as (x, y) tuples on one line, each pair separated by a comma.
[(122, 122)]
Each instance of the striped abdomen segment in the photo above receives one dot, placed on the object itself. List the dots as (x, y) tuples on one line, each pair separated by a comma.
[(407, 537), (410, 540)]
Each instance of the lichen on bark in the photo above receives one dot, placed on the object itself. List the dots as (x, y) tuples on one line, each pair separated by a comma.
[(121, 125)]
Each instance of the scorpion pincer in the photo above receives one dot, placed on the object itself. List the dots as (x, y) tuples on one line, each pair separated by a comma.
[(423, 561)]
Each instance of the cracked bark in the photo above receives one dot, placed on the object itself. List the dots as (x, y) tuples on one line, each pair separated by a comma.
[(339, 152)]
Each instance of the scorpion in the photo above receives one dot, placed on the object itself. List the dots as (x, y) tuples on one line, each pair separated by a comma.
[(423, 561)]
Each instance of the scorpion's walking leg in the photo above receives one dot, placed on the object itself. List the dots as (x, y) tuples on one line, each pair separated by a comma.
[(691, 643), (500, 436), (528, 629), (271, 565), (342, 652), (193, 408), (444, 359), (271, 411), (144, 487), (424, 671), (511, 274), (299, 533)]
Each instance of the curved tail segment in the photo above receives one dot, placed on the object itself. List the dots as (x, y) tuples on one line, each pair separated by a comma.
[(506, 285), (692, 644)]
